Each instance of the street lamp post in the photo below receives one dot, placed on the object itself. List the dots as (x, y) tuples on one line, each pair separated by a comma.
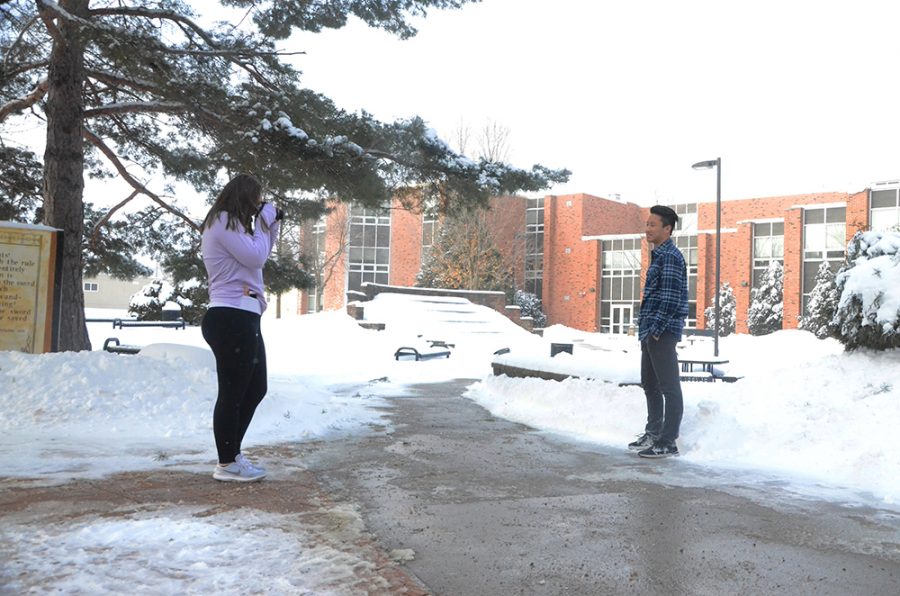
[(705, 165)]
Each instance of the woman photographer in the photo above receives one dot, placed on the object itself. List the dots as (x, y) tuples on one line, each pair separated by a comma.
[(238, 234)]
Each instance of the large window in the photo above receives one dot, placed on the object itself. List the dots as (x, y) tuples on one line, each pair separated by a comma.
[(685, 238), (430, 227), (824, 240), (534, 246), (884, 209), (370, 247), (687, 218), (687, 244), (620, 283), (315, 248), (768, 246)]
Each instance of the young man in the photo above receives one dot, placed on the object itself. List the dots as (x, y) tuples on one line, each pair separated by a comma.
[(663, 310)]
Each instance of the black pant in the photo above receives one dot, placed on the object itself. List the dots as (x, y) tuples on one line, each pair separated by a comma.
[(660, 378), (237, 343)]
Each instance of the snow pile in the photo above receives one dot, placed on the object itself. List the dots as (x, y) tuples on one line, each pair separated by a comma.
[(804, 410)]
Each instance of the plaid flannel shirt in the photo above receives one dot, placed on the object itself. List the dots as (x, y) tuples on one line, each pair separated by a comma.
[(665, 303)]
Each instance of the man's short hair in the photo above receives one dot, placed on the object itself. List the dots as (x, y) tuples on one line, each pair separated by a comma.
[(666, 214)]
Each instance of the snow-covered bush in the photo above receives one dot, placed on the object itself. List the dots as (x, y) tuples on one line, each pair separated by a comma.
[(148, 303), (531, 306), (823, 301), (868, 313), (767, 302), (193, 296), (727, 309)]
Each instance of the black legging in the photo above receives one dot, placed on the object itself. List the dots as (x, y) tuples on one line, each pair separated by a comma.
[(237, 343)]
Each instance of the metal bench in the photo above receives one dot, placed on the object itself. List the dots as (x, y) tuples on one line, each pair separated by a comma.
[(122, 323), (409, 351), (117, 348)]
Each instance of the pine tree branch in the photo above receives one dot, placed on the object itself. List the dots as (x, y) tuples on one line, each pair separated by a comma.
[(136, 107), (44, 10), (19, 38), (119, 82), (95, 234), (11, 72), (26, 101), (150, 107), (126, 175), (233, 55)]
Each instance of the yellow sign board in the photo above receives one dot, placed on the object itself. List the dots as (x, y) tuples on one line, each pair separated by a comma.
[(29, 287)]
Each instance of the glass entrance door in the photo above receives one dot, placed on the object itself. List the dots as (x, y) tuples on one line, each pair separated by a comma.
[(621, 318)]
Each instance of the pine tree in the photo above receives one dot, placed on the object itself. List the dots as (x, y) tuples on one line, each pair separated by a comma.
[(728, 310), (20, 185), (869, 284), (146, 92), (530, 306), (767, 302), (823, 301)]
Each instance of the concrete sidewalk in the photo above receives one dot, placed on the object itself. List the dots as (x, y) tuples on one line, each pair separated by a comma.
[(492, 507)]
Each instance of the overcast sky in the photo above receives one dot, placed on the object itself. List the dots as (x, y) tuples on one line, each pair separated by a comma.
[(795, 96)]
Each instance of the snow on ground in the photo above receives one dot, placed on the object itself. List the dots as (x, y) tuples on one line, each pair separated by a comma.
[(804, 412), (183, 550)]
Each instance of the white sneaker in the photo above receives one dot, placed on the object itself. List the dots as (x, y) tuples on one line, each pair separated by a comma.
[(240, 458), (238, 471)]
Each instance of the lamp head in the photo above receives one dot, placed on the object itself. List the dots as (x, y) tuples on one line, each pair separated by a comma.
[(705, 165)]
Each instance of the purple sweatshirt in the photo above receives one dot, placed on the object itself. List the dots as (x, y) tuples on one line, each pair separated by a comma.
[(234, 259)]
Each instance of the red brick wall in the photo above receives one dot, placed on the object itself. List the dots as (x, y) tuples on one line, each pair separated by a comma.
[(793, 266), (506, 218), (406, 245), (336, 229), (572, 279), (857, 213)]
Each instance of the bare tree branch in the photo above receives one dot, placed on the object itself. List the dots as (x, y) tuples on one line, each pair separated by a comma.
[(493, 142), (27, 101), (126, 175)]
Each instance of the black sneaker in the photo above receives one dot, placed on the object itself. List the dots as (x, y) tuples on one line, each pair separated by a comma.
[(643, 442), (660, 449)]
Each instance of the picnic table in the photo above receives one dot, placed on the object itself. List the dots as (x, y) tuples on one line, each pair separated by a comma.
[(699, 368)]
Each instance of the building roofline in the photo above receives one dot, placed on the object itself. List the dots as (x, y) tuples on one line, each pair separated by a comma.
[(613, 237), (819, 205)]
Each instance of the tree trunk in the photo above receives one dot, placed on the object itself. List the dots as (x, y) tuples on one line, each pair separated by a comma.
[(64, 171)]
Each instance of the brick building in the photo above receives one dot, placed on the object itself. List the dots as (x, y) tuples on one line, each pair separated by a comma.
[(585, 256)]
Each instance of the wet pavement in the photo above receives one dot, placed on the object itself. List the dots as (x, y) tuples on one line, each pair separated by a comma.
[(492, 507)]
